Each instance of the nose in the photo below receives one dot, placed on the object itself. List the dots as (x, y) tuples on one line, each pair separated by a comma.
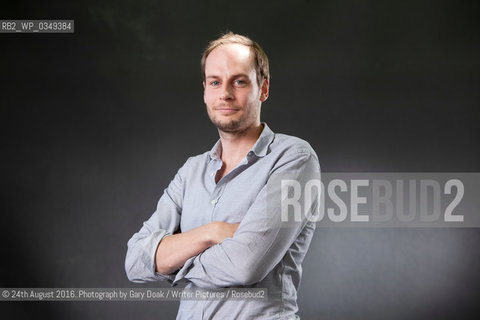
[(227, 93)]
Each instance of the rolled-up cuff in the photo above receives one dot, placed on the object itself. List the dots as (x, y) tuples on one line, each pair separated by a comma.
[(140, 262)]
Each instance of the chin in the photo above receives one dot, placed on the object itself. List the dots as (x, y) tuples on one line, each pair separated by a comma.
[(228, 126)]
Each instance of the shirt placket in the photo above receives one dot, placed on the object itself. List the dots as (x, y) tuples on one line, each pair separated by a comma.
[(217, 189), (220, 186)]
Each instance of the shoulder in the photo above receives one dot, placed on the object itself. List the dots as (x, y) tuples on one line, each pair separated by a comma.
[(292, 153), (194, 162), (289, 145)]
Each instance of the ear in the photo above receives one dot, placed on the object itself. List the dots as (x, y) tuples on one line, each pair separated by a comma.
[(204, 99), (265, 90)]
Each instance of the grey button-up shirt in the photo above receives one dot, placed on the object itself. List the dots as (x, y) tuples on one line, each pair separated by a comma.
[(264, 251)]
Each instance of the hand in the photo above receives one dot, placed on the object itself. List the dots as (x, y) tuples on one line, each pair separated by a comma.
[(221, 230)]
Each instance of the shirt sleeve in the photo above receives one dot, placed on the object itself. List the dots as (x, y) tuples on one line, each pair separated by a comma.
[(262, 238), (165, 221)]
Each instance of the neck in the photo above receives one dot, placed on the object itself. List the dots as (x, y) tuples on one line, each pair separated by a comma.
[(235, 145)]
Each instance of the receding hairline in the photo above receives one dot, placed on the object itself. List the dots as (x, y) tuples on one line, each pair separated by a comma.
[(251, 55)]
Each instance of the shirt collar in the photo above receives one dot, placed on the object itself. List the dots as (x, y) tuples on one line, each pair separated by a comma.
[(260, 148)]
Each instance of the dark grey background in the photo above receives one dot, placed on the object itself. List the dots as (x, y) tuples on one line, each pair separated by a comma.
[(96, 123)]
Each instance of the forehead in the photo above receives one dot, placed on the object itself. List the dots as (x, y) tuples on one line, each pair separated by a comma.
[(229, 59)]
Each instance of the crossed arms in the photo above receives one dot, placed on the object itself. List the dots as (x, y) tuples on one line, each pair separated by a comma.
[(218, 254), (173, 251)]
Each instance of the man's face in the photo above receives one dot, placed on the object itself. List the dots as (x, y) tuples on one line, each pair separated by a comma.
[(232, 95)]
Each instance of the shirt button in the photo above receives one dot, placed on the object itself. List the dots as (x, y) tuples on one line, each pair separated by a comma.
[(214, 201)]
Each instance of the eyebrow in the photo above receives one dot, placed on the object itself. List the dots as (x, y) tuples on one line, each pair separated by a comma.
[(237, 75)]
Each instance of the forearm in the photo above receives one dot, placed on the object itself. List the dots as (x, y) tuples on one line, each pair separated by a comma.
[(173, 251)]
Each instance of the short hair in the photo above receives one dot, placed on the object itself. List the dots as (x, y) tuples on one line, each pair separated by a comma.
[(259, 56)]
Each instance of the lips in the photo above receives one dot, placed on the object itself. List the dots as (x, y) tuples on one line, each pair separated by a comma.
[(226, 109)]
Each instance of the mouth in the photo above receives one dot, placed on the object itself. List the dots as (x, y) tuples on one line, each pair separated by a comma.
[(226, 109)]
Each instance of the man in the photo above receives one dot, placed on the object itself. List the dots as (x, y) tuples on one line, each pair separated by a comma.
[(219, 223)]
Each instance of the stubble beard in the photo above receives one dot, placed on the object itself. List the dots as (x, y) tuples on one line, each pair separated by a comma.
[(230, 125)]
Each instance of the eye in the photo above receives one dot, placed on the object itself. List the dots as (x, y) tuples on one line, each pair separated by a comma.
[(240, 83), (214, 83)]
